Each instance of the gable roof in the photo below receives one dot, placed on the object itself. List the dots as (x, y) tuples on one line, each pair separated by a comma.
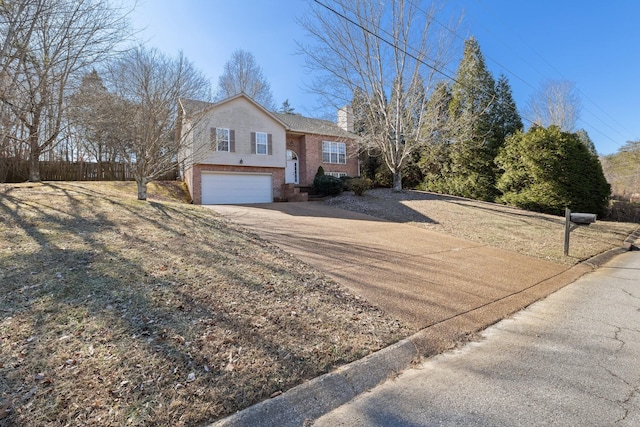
[(301, 124), (192, 107), (292, 122)]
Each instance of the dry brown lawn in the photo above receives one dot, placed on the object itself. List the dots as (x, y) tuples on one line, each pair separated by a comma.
[(529, 233), (121, 312)]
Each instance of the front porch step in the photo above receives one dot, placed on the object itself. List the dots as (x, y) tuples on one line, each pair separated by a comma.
[(292, 193), (316, 198)]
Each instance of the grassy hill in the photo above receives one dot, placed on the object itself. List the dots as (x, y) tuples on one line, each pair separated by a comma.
[(121, 312)]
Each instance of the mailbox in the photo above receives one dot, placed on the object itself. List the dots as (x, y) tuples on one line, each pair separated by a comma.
[(583, 218), (577, 219)]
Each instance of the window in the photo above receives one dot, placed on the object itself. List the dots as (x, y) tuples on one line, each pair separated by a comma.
[(261, 143), (334, 152), (336, 174), (222, 139)]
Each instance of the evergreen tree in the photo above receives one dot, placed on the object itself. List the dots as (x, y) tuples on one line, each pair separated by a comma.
[(90, 114), (370, 157), (586, 140), (547, 170), (286, 108), (506, 118), (435, 160), (473, 130)]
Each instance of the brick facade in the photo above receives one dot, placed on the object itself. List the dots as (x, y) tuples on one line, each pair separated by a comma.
[(243, 118), (311, 157)]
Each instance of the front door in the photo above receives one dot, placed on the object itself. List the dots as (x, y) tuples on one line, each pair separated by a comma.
[(291, 170)]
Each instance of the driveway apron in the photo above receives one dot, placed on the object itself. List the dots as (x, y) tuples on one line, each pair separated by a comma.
[(421, 277)]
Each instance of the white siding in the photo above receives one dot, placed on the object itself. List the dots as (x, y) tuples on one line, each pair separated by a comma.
[(243, 117)]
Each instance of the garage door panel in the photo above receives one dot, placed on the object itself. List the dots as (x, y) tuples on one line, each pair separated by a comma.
[(236, 188)]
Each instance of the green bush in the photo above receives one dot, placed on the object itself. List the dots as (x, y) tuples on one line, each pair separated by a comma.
[(328, 185), (383, 177), (360, 185), (548, 170), (320, 171)]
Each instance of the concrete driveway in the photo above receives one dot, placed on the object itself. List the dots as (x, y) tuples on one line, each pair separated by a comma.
[(446, 286), (570, 360)]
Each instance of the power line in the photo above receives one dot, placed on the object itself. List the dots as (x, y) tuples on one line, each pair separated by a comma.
[(553, 68), (455, 33), (448, 74), (394, 46), (368, 31), (458, 36)]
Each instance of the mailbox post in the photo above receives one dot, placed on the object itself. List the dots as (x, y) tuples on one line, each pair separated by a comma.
[(573, 220)]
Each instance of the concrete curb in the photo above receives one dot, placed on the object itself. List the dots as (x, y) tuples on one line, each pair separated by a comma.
[(314, 398), (308, 401), (607, 256), (631, 239), (301, 405)]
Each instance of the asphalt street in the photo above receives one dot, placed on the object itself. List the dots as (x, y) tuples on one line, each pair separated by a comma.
[(570, 359)]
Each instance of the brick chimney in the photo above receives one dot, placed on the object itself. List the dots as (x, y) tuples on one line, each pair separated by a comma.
[(345, 118)]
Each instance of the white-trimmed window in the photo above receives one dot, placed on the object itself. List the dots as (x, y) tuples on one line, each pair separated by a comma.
[(334, 152), (261, 143), (223, 139), (336, 174)]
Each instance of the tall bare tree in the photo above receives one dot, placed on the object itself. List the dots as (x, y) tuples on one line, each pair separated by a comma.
[(242, 74), (141, 115), (45, 45), (87, 107), (390, 53), (17, 22), (556, 103)]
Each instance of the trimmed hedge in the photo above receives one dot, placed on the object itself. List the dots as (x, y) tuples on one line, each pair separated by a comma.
[(328, 185)]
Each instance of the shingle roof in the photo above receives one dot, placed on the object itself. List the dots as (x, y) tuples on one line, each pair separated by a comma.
[(192, 106), (297, 123)]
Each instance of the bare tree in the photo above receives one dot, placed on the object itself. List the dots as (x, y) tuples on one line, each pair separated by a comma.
[(390, 53), (46, 44), (85, 111), (556, 103), (242, 74), (17, 22), (142, 112)]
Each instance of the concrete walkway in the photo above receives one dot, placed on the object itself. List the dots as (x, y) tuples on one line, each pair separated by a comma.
[(446, 288), (569, 360)]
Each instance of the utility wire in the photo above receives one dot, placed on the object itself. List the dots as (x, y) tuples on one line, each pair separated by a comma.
[(368, 31), (458, 36), (394, 46), (594, 128), (552, 67), (447, 74)]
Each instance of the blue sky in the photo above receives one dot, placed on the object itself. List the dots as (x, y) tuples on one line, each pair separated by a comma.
[(595, 44)]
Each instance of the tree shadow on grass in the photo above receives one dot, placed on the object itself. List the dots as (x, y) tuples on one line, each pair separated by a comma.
[(512, 213), (127, 316), (393, 209)]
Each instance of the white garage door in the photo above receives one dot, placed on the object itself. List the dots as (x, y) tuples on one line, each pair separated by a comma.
[(236, 188)]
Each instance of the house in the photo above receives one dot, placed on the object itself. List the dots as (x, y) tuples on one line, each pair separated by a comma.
[(243, 153)]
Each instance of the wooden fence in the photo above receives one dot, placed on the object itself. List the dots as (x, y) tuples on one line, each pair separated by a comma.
[(17, 170)]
